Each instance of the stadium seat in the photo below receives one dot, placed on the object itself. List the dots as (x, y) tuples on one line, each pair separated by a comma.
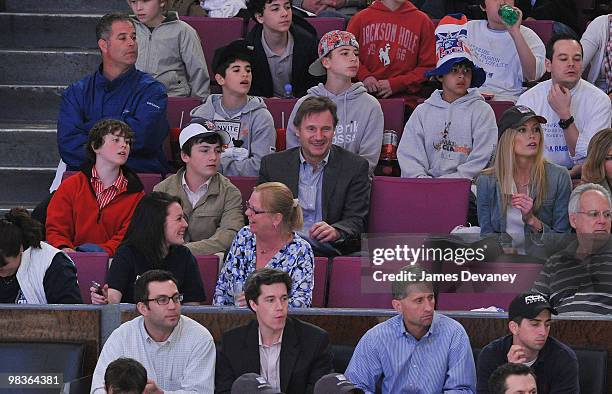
[(345, 288), (543, 28), (280, 110), (469, 301), (90, 267), (526, 274), (320, 282), (178, 106), (215, 33), (499, 107), (245, 184), (25, 358), (209, 271), (593, 370), (393, 110), (403, 205), (148, 180)]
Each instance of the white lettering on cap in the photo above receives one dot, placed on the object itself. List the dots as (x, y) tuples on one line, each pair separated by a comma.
[(530, 299)]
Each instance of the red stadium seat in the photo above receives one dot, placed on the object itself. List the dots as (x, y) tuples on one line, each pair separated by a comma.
[(393, 110), (320, 282), (245, 184), (209, 271), (178, 106), (215, 33), (469, 301), (90, 267), (280, 110), (402, 205), (148, 180), (543, 28), (345, 289), (499, 107), (526, 275)]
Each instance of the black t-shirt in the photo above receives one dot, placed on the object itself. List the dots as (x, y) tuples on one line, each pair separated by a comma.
[(60, 284), (128, 264)]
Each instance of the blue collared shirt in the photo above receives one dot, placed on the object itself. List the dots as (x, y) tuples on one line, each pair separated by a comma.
[(310, 190), (440, 362)]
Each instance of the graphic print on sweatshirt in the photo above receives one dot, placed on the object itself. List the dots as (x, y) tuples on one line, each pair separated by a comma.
[(389, 42), (445, 144), (345, 133)]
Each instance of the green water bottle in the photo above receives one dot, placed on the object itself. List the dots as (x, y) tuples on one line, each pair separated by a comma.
[(508, 14)]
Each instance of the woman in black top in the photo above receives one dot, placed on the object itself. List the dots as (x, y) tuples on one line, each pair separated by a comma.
[(31, 271), (154, 240)]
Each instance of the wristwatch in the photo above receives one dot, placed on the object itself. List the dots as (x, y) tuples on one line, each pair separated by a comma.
[(565, 123)]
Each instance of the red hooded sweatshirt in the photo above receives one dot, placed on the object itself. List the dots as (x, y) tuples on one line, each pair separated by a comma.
[(395, 45)]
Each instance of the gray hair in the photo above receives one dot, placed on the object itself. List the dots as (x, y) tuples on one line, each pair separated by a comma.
[(105, 24), (574, 202)]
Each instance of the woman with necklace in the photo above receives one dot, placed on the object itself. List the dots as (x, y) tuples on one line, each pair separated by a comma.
[(523, 195), (268, 241), (32, 271)]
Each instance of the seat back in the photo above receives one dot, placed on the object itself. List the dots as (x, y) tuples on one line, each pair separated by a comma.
[(209, 271), (393, 110), (280, 110), (320, 282), (404, 205), (469, 301), (499, 107), (245, 184), (593, 370), (38, 357), (342, 356), (526, 275), (148, 180), (543, 28), (90, 267), (181, 106), (345, 287), (215, 33)]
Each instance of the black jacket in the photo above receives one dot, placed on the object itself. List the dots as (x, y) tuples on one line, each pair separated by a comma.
[(304, 53), (305, 356)]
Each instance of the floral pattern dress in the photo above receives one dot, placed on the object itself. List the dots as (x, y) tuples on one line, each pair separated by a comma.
[(295, 258)]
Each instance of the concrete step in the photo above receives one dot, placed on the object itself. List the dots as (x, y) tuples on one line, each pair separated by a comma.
[(24, 186), (25, 31), (25, 67), (28, 145), (66, 6), (23, 103)]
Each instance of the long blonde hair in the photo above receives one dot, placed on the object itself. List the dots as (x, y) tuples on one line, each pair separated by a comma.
[(504, 166), (593, 170)]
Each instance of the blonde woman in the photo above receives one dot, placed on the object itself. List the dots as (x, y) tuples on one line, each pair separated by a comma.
[(598, 165), (522, 195), (270, 240)]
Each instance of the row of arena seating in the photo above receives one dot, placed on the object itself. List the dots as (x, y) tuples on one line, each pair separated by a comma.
[(346, 282), (218, 32), (397, 205)]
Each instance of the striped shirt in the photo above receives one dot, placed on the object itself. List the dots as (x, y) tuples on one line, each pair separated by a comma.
[(105, 196), (441, 361), (183, 363), (578, 286)]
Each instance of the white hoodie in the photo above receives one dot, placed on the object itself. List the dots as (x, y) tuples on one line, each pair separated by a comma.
[(360, 121), (448, 140)]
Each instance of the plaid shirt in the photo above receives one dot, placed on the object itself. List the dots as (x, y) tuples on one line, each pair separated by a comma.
[(105, 196)]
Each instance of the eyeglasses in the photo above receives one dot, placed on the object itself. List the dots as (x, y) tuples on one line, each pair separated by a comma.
[(255, 211), (595, 214), (164, 300)]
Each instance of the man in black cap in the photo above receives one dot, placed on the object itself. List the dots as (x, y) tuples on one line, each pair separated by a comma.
[(553, 362), (252, 383), (335, 383)]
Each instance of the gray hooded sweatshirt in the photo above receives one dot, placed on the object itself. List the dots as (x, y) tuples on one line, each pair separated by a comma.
[(448, 140), (253, 125), (360, 122), (172, 54)]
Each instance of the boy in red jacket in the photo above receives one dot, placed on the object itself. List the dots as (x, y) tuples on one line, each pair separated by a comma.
[(397, 46), (92, 209)]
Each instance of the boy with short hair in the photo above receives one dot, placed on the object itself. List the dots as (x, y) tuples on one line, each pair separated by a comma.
[(125, 376), (246, 119), (453, 133), (169, 49), (509, 55), (91, 210), (212, 205), (360, 117), (397, 47), (284, 49)]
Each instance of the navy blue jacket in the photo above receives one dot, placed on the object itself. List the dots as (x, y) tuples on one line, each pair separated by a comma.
[(134, 97)]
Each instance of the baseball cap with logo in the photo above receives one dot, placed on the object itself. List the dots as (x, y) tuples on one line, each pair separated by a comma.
[(204, 127), (251, 383), (452, 47), (330, 41), (515, 116), (529, 305), (334, 383)]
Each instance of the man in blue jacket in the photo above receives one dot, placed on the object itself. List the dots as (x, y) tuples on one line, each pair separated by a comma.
[(116, 91)]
